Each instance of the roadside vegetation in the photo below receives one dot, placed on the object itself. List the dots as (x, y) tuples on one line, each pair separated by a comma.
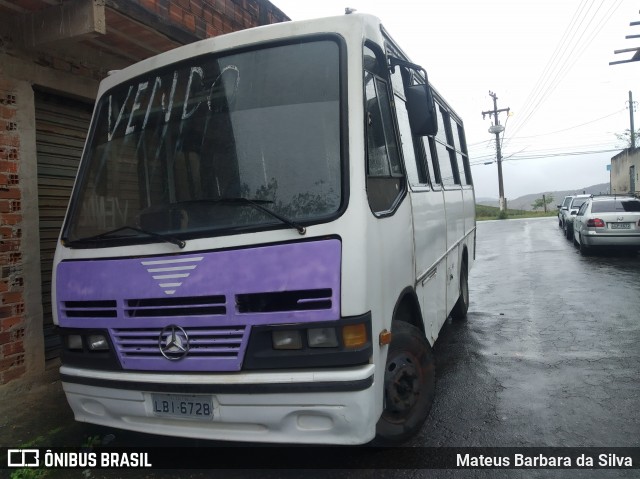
[(493, 213)]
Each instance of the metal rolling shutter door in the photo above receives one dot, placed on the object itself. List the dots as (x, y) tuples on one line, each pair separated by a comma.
[(61, 129)]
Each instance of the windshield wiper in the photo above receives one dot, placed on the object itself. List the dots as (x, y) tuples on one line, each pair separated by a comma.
[(258, 204), (169, 239)]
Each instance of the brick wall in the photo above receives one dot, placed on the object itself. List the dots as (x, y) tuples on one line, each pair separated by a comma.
[(208, 18), (72, 70), (12, 352)]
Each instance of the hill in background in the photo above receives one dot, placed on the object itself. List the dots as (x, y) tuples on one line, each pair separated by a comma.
[(524, 202)]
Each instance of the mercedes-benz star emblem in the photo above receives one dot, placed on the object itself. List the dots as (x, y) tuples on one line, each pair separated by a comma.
[(173, 342)]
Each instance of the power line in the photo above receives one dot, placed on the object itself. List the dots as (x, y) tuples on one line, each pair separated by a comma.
[(513, 138), (570, 128), (564, 58), (548, 155)]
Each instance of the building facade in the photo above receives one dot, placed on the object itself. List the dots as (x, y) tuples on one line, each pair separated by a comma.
[(53, 53), (625, 171)]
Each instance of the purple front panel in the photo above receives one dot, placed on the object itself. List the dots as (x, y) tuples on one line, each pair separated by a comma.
[(215, 297)]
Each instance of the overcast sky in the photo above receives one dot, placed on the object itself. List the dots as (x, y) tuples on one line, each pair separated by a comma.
[(547, 60)]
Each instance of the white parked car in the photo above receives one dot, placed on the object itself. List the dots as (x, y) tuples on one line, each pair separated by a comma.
[(567, 221), (608, 221)]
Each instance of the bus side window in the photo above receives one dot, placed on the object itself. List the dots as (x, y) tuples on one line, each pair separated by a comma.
[(413, 159), (428, 147), (462, 155), (444, 151), (385, 177)]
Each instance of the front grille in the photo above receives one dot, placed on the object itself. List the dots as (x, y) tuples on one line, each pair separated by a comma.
[(172, 307), (301, 300), (89, 309), (210, 343)]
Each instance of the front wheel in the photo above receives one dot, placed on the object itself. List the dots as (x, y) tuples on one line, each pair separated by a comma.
[(409, 384)]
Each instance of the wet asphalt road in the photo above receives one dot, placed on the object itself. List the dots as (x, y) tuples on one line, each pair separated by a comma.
[(548, 356), (550, 353)]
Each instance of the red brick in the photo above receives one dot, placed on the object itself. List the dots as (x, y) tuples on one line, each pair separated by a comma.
[(7, 232), (16, 347), (7, 113), (5, 337), (12, 298), (10, 193), (149, 5), (7, 246), (8, 138), (208, 15), (8, 166), (10, 218), (7, 323), (196, 7), (190, 21), (175, 13)]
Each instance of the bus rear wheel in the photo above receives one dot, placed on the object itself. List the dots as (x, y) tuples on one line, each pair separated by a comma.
[(409, 384)]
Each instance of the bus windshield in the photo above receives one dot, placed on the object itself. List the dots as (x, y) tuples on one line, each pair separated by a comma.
[(189, 150)]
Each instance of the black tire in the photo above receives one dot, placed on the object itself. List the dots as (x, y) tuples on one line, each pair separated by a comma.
[(461, 307), (584, 249), (409, 384), (575, 242), (568, 231)]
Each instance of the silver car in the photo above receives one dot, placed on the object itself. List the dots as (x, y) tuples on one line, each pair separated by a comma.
[(562, 209), (612, 221)]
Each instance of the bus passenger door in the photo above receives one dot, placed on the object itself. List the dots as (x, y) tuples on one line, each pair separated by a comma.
[(429, 226), (429, 233)]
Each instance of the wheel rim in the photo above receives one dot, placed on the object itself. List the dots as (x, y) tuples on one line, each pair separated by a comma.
[(402, 384)]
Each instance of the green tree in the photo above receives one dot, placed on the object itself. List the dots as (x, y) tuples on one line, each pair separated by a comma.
[(542, 202), (625, 138)]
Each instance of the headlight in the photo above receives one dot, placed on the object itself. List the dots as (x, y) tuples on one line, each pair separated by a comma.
[(97, 342), (322, 338), (319, 344), (74, 342), (287, 339)]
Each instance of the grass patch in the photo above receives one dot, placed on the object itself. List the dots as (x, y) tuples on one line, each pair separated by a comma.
[(493, 213)]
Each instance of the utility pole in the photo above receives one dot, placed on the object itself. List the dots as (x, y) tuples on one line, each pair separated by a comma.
[(497, 128), (632, 130)]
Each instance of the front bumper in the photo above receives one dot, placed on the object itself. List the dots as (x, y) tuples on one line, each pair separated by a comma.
[(313, 407)]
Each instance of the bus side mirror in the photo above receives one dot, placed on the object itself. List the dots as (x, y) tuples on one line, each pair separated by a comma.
[(422, 110)]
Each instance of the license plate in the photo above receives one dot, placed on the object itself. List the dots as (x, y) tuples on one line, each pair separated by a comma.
[(190, 407), (620, 226)]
